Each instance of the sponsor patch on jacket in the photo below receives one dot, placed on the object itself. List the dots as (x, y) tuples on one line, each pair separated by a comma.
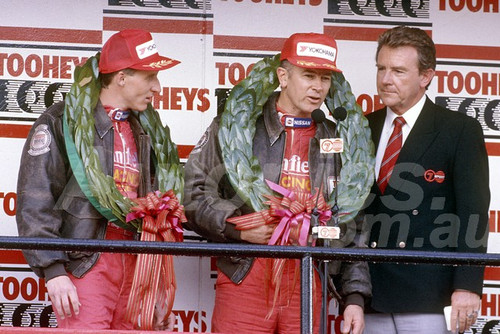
[(201, 143), (297, 122), (432, 176), (40, 142)]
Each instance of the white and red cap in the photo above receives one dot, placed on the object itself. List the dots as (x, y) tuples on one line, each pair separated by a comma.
[(132, 48), (311, 50)]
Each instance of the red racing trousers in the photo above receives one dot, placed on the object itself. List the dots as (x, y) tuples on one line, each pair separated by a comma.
[(104, 290), (243, 308)]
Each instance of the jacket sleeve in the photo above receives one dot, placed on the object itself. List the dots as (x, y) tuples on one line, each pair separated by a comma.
[(354, 277), (208, 197), (472, 196), (42, 178)]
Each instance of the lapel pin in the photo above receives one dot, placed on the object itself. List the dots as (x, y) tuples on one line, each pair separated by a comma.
[(432, 176)]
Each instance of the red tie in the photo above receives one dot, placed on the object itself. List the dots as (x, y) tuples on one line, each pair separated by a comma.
[(391, 154)]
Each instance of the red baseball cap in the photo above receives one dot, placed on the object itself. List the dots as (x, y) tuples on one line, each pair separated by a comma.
[(311, 50), (132, 48)]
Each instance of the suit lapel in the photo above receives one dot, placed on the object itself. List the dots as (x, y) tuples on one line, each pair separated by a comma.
[(376, 125), (376, 121)]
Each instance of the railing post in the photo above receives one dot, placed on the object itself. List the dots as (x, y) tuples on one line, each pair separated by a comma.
[(306, 322)]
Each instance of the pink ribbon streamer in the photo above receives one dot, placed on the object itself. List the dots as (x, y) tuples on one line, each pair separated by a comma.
[(154, 282)]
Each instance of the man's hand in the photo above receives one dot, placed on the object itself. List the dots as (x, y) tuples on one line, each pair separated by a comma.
[(354, 320), (63, 295), (159, 321), (464, 310), (258, 235)]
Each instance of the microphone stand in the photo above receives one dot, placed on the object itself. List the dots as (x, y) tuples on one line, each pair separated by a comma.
[(326, 243), (323, 264)]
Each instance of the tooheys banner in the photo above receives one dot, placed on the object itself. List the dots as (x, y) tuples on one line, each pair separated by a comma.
[(217, 43)]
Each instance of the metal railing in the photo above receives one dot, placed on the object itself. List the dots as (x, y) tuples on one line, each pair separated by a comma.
[(306, 254)]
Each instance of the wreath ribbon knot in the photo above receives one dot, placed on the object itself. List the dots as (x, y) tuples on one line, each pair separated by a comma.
[(167, 209), (293, 210)]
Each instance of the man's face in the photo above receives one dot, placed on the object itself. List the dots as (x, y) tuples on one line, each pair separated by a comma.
[(399, 81), (302, 89), (139, 88)]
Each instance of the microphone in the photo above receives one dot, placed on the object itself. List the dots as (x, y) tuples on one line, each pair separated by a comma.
[(318, 116), (327, 232), (339, 114)]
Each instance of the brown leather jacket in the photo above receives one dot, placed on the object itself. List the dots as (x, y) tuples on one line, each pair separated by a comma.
[(50, 203), (209, 198)]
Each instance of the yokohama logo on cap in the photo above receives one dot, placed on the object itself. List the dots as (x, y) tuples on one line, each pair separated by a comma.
[(146, 49), (316, 50)]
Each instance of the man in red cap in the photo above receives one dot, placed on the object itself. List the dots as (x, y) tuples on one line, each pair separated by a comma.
[(91, 290), (286, 144)]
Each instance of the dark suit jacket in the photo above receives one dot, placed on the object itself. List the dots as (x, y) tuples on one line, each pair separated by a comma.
[(422, 211)]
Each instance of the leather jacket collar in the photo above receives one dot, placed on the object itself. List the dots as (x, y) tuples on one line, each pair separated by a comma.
[(102, 121), (272, 122)]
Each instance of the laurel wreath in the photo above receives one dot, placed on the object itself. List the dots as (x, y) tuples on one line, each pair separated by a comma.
[(237, 129), (80, 103)]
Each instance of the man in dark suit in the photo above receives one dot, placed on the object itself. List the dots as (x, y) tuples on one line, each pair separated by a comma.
[(431, 194)]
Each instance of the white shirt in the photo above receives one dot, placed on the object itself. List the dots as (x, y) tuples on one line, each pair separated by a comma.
[(410, 117)]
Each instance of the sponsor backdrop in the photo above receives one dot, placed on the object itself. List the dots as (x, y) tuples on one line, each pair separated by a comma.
[(217, 42)]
